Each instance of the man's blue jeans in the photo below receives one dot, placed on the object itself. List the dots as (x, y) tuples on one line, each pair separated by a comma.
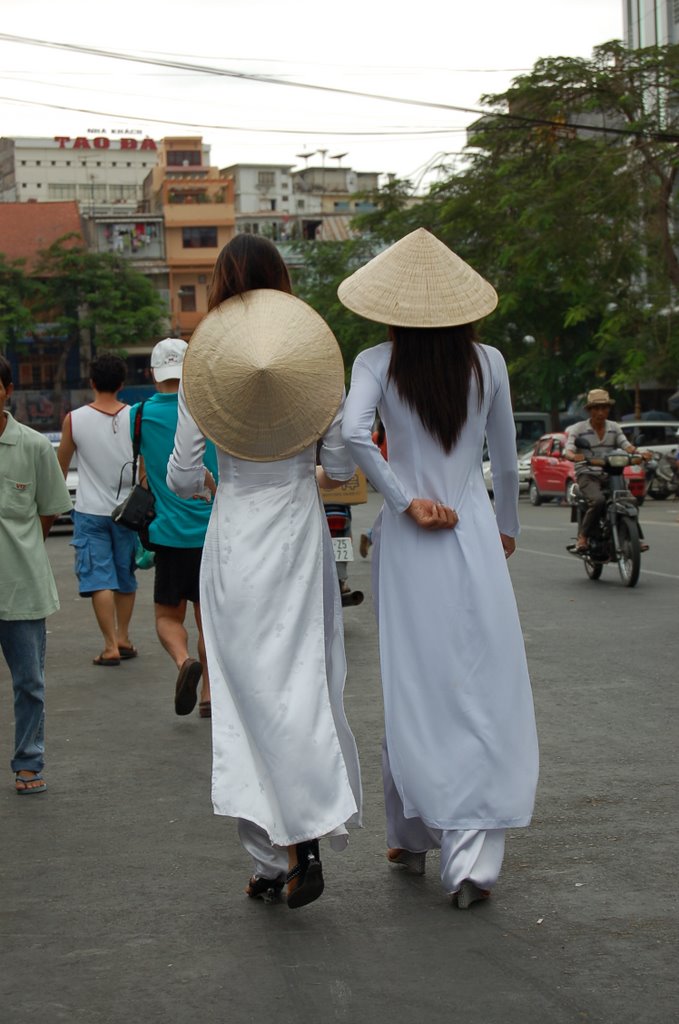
[(23, 645)]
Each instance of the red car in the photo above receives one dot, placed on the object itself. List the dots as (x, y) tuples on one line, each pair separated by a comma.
[(553, 476)]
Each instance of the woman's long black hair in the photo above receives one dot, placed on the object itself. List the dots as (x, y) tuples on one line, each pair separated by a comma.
[(432, 369), (247, 262)]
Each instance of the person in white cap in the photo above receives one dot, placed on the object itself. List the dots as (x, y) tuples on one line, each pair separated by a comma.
[(460, 758), (603, 436), (264, 379), (177, 534)]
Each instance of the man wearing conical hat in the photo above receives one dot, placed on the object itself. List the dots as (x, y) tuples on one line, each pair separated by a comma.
[(460, 755)]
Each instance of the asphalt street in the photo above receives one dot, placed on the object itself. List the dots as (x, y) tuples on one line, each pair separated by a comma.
[(121, 895)]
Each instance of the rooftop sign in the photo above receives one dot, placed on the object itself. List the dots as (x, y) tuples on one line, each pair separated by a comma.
[(101, 142)]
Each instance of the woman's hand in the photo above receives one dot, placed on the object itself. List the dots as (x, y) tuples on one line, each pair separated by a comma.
[(508, 544), (325, 482), (432, 515), (210, 489)]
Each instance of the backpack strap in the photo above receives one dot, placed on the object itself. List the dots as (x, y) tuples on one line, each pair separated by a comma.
[(136, 446)]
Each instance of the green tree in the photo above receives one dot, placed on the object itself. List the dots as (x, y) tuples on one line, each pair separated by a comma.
[(15, 292), (98, 295), (324, 266), (566, 203)]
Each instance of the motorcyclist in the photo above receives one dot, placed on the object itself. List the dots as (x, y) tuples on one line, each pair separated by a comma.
[(604, 436)]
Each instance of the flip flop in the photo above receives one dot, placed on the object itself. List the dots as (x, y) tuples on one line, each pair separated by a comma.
[(105, 662), (205, 709), (127, 652), (27, 790), (186, 688)]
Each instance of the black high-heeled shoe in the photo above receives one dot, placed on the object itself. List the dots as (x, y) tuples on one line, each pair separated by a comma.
[(309, 874), (268, 890)]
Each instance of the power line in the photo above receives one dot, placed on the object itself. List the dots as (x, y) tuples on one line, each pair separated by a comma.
[(273, 80), (230, 127)]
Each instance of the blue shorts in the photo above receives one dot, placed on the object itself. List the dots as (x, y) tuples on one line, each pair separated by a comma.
[(104, 554)]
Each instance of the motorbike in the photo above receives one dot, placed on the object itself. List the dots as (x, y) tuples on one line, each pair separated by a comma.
[(662, 477), (616, 537), (339, 524)]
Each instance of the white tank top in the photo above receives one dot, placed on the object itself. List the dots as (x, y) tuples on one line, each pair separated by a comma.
[(104, 446)]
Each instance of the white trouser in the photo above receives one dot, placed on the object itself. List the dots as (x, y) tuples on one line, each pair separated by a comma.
[(268, 861), (474, 854)]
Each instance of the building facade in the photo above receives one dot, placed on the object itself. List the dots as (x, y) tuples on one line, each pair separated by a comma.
[(650, 22), (196, 202), (102, 173)]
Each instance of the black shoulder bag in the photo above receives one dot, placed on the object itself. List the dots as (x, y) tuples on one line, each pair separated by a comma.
[(139, 507)]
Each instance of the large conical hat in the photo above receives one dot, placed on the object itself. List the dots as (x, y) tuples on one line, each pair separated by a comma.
[(263, 375), (418, 282)]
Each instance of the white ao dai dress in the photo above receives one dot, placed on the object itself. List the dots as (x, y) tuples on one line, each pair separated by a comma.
[(284, 757), (461, 746)]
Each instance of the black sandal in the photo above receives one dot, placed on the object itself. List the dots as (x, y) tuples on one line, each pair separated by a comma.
[(309, 872), (268, 890)]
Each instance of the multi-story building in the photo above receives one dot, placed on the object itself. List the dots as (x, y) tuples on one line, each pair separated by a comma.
[(140, 239), (263, 199), (286, 205), (103, 173), (650, 22), (197, 204), (326, 198)]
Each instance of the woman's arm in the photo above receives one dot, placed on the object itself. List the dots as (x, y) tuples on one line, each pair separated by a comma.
[(359, 415), (337, 463), (501, 434), (186, 473)]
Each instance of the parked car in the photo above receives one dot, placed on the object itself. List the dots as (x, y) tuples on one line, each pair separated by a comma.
[(524, 452), (552, 475), (658, 435), (54, 436)]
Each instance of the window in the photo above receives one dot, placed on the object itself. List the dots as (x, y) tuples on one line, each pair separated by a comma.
[(61, 191), (187, 298), (199, 238), (184, 158), (37, 163), (265, 179), (123, 191)]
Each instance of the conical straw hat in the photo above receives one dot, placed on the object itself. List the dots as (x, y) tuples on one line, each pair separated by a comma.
[(418, 282), (263, 375)]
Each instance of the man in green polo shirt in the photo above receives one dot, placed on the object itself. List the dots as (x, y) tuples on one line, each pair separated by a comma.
[(32, 494)]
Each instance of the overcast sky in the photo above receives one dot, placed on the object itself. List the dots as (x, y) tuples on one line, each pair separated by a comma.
[(442, 51)]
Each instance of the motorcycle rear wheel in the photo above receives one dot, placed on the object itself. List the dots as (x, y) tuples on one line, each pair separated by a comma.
[(629, 563)]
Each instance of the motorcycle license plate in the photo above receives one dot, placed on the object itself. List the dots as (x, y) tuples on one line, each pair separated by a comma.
[(344, 549)]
